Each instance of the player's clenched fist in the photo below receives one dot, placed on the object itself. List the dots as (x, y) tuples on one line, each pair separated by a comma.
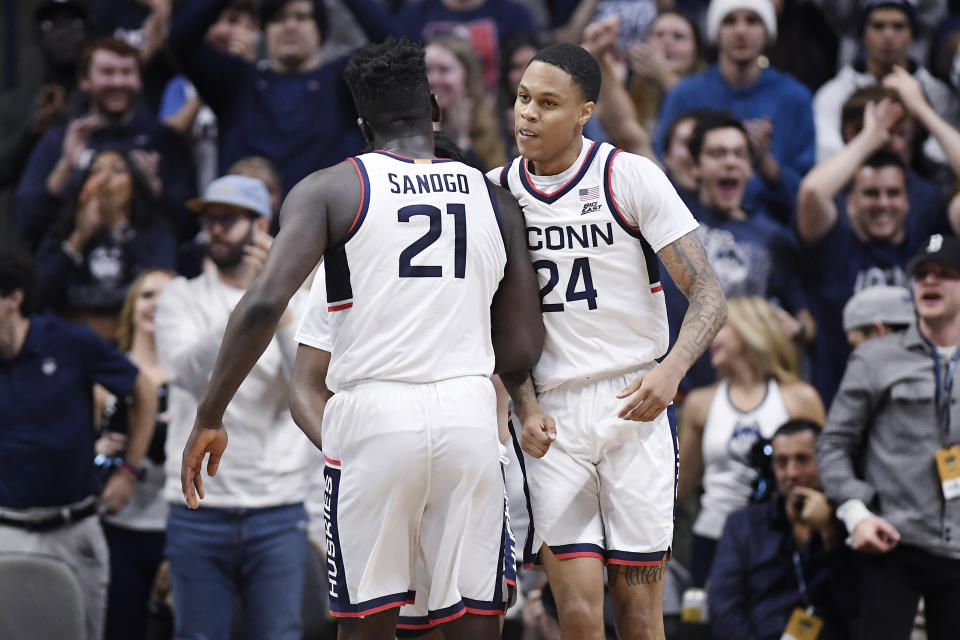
[(538, 433)]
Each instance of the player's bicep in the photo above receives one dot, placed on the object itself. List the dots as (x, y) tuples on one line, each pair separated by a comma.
[(686, 262), (310, 368), (311, 209), (515, 312)]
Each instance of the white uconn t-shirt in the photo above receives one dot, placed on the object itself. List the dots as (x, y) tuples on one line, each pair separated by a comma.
[(593, 232), (409, 289)]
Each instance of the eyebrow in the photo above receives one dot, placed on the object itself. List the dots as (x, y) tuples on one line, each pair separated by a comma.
[(549, 94)]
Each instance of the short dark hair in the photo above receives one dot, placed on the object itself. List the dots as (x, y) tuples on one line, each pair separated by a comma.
[(693, 114), (270, 8), (388, 81), (851, 114), (707, 121), (884, 158), (114, 45), (17, 271), (797, 425), (576, 61)]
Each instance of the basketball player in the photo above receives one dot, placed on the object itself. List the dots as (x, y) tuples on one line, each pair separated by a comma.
[(601, 473), (423, 264), (309, 381)]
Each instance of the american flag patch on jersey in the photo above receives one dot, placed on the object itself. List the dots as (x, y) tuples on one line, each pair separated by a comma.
[(589, 194)]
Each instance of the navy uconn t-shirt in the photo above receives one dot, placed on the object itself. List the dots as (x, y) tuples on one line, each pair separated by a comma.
[(46, 412), (838, 266)]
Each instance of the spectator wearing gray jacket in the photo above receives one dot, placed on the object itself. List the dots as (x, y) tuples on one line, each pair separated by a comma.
[(896, 408)]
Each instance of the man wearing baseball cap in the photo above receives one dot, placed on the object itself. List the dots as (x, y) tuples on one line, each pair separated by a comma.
[(774, 107), (889, 457), (877, 311), (250, 537)]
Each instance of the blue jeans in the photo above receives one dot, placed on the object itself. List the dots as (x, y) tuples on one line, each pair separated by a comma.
[(215, 554)]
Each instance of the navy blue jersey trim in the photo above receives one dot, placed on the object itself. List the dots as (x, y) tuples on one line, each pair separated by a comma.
[(496, 212), (369, 606), (528, 556), (505, 175), (649, 255), (337, 275), (364, 203), (336, 573), (550, 198), (636, 559)]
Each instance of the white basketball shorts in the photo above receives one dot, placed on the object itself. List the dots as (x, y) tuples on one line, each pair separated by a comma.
[(413, 486), (607, 487)]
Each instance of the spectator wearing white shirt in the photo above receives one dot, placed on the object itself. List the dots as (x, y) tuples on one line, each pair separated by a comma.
[(250, 537)]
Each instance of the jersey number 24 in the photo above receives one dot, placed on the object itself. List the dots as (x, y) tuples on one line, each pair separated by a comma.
[(580, 271)]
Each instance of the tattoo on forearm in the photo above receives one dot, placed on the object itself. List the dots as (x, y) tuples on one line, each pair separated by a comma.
[(687, 264), (635, 576), (521, 390)]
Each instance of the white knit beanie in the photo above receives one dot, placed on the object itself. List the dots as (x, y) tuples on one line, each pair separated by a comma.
[(720, 8)]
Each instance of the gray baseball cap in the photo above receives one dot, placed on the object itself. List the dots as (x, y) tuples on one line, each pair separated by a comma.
[(882, 303), (238, 191)]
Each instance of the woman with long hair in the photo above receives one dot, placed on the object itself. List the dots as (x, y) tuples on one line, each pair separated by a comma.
[(466, 111), (112, 232), (135, 534), (758, 391), (672, 51)]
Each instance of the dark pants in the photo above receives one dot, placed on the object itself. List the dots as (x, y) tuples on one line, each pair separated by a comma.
[(703, 552), (891, 587), (134, 559)]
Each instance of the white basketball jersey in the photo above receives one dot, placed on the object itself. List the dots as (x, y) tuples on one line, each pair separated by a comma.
[(593, 233), (410, 286)]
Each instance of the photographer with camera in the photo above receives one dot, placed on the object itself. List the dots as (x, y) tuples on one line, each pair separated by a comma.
[(758, 391), (781, 565)]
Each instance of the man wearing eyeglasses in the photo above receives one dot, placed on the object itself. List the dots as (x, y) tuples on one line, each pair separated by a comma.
[(250, 537)]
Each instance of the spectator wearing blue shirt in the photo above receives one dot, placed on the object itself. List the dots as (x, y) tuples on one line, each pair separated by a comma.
[(48, 484), (751, 254), (784, 554), (291, 108), (881, 228), (110, 75), (775, 108)]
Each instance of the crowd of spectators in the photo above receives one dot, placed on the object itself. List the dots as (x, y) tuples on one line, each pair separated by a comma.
[(146, 147)]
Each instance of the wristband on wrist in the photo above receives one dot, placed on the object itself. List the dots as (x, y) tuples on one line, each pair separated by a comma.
[(135, 472)]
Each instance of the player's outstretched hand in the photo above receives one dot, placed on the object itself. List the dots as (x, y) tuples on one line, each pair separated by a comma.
[(202, 440), (649, 394), (875, 535), (538, 433)]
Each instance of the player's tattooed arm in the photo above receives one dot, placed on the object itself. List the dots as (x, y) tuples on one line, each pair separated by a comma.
[(687, 264), (538, 430)]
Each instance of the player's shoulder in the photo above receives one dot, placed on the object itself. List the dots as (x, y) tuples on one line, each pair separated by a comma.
[(626, 162), (500, 175), (334, 183)]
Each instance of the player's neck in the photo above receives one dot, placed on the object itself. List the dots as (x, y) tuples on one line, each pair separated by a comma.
[(414, 145), (560, 162)]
